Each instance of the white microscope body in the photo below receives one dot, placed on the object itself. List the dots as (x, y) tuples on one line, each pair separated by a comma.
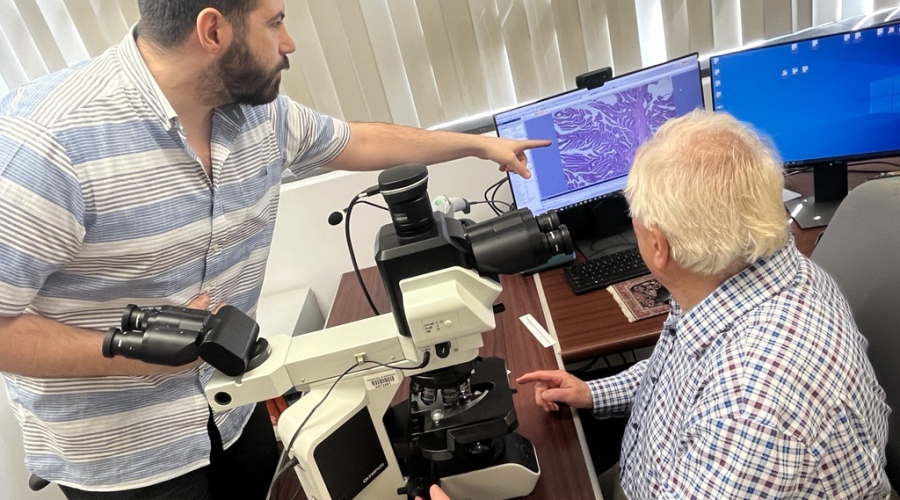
[(456, 427), (345, 440)]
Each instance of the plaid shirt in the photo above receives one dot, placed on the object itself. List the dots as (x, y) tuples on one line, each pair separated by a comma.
[(762, 390)]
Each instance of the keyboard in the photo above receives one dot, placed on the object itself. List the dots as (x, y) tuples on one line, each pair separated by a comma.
[(605, 270)]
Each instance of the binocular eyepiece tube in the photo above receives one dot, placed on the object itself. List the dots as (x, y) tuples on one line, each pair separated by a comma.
[(166, 336), (513, 242), (517, 241), (174, 336)]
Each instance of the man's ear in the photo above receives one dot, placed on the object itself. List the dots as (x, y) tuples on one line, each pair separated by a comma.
[(661, 250), (214, 32)]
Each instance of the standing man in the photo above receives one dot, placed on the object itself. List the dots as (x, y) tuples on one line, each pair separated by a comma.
[(759, 386), (151, 175)]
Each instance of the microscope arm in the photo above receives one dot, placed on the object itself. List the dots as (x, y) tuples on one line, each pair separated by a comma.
[(453, 305)]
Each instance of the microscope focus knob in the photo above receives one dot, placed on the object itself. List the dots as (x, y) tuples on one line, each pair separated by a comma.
[(442, 350), (418, 486)]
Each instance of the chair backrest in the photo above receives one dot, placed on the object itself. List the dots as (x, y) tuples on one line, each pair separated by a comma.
[(861, 251)]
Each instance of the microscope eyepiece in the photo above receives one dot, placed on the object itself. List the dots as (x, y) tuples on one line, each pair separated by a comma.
[(548, 221), (133, 318)]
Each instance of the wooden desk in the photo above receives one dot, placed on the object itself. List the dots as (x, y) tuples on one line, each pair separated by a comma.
[(565, 469), (592, 325)]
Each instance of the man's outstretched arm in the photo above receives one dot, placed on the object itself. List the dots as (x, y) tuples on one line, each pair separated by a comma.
[(375, 146)]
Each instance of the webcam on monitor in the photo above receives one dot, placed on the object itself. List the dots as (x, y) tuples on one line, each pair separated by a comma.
[(593, 79)]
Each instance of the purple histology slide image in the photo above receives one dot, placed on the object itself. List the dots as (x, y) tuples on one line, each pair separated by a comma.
[(597, 141)]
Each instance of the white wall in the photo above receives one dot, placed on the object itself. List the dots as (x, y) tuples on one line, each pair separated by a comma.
[(307, 251)]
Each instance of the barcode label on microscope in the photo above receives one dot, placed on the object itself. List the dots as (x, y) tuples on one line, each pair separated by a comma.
[(379, 381)]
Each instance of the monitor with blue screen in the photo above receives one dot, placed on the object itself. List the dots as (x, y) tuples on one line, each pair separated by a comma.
[(595, 133), (823, 101)]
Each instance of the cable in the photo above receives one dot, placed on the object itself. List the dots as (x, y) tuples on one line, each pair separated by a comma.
[(280, 471), (508, 205), (586, 368), (353, 254), (486, 191), (426, 358), (364, 202), (876, 162), (496, 190), (795, 171), (867, 171)]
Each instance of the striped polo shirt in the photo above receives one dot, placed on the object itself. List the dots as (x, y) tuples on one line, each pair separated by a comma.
[(103, 203)]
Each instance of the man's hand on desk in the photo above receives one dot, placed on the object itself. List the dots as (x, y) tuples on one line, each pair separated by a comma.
[(558, 386)]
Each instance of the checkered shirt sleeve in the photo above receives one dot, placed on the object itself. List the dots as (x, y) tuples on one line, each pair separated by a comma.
[(613, 396)]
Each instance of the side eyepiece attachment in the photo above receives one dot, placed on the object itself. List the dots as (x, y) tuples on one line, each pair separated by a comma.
[(174, 336)]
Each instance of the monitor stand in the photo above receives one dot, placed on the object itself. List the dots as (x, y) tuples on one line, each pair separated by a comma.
[(830, 188), (597, 247)]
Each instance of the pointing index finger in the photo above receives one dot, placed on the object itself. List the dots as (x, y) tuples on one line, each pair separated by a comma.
[(539, 376), (536, 143)]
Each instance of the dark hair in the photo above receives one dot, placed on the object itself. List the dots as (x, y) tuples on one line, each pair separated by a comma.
[(168, 22)]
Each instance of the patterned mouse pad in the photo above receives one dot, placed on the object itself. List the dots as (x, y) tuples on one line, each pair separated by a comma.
[(637, 298)]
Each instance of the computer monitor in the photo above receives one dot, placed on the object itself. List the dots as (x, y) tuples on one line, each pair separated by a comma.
[(823, 101), (594, 135)]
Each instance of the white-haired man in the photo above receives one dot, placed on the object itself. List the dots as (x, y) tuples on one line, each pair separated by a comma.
[(759, 386)]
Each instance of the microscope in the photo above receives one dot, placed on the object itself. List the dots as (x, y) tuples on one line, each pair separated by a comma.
[(456, 427)]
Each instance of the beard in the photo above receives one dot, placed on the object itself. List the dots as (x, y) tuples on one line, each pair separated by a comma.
[(242, 79)]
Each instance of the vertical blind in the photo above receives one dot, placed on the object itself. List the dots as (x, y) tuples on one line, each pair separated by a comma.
[(429, 62)]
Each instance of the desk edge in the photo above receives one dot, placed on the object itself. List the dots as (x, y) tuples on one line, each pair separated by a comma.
[(579, 430)]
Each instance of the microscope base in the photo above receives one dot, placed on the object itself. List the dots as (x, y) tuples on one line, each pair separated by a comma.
[(516, 476), (499, 482)]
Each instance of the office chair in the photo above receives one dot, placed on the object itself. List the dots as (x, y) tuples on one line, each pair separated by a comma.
[(861, 251)]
